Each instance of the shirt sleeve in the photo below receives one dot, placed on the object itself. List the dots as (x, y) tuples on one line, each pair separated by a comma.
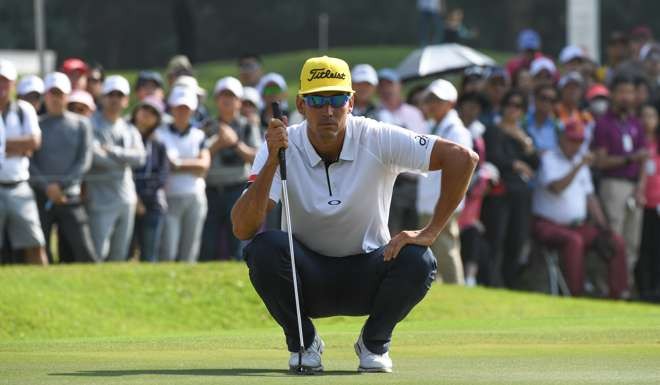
[(403, 150), (30, 119), (259, 162), (549, 171)]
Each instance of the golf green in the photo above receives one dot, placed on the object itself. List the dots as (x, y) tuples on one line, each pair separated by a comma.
[(203, 324)]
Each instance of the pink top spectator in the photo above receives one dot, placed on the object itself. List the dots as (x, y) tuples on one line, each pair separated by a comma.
[(653, 176)]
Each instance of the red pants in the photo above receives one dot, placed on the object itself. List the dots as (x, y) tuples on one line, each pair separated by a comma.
[(573, 244)]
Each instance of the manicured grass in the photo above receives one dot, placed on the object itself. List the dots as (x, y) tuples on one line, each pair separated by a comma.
[(204, 324)]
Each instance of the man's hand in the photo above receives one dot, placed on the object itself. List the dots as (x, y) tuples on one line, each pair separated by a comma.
[(522, 169), (227, 137), (140, 208), (55, 194), (424, 237), (588, 159), (640, 155), (276, 138)]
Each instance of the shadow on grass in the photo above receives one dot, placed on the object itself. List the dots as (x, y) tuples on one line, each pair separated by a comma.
[(230, 372)]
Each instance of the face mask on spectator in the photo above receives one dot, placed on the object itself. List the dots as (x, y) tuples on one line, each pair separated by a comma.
[(599, 106)]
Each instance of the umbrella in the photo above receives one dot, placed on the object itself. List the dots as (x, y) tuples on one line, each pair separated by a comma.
[(440, 59)]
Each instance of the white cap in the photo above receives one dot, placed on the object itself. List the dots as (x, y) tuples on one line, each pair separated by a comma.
[(189, 82), (82, 97), (540, 64), (252, 95), (271, 77), (183, 96), (443, 90), (364, 73), (30, 83), (116, 83), (57, 80), (8, 69), (230, 84), (571, 52)]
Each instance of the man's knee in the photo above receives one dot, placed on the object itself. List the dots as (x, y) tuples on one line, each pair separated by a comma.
[(418, 262), (264, 248)]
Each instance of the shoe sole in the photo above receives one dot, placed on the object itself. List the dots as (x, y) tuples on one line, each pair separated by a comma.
[(305, 369)]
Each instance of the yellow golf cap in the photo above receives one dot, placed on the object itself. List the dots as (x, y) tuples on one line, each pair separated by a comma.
[(320, 74)]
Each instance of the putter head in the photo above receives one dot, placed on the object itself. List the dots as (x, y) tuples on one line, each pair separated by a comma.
[(303, 370)]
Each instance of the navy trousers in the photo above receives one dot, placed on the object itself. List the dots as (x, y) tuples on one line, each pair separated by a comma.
[(362, 284)]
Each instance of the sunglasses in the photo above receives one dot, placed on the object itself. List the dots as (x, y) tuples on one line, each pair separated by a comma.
[(336, 101)]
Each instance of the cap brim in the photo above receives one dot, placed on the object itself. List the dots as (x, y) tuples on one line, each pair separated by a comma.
[(326, 89)]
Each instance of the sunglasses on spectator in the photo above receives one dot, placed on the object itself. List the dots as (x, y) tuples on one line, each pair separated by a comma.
[(515, 105), (335, 101), (77, 108), (272, 90)]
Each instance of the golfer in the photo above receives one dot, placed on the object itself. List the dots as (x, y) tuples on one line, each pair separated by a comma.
[(341, 170)]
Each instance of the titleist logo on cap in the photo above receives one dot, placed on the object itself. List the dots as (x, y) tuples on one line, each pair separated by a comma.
[(324, 73)]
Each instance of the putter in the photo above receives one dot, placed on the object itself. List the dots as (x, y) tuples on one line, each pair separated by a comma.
[(277, 114)]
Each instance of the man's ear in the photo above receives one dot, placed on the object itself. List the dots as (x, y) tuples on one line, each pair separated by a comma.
[(300, 105), (351, 103)]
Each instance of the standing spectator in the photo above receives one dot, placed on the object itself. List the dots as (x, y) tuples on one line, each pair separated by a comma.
[(540, 122), (82, 103), (403, 210), (95, 83), (251, 106), (455, 29), (620, 151), (506, 212), (249, 69), (179, 65), (77, 71), (642, 94), (616, 53), (497, 85), (529, 48), (647, 271), (562, 201), (232, 144), (431, 23), (572, 58), (57, 170), (111, 195), (31, 88), (150, 179), (571, 91), (474, 247), (21, 136), (272, 88), (598, 98), (543, 71), (190, 160), (639, 36), (365, 81), (474, 80), (524, 82), (439, 105), (200, 116), (149, 83)]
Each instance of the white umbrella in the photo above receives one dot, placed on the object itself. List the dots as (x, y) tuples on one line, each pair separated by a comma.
[(440, 59)]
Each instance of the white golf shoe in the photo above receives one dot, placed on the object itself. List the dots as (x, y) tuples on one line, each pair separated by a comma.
[(372, 362), (311, 358)]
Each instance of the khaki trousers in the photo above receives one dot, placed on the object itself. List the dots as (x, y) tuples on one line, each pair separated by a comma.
[(447, 250)]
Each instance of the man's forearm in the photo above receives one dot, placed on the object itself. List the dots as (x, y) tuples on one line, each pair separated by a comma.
[(23, 145), (558, 186), (249, 212), (456, 176)]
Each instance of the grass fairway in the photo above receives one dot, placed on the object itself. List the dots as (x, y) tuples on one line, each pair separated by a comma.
[(203, 324)]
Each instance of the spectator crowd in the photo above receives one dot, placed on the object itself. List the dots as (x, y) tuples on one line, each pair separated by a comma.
[(569, 163)]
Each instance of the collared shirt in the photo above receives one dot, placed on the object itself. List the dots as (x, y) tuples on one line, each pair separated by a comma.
[(569, 206), (428, 192), (65, 154), (16, 168), (619, 137), (342, 208), (182, 145), (544, 135)]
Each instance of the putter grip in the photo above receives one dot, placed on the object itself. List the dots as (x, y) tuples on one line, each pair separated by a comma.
[(277, 114)]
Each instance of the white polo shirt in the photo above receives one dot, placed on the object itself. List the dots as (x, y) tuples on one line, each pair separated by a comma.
[(186, 145), (570, 205), (16, 168), (342, 209), (428, 192)]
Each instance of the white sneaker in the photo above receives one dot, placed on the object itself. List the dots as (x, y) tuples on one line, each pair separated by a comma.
[(372, 362), (311, 357)]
